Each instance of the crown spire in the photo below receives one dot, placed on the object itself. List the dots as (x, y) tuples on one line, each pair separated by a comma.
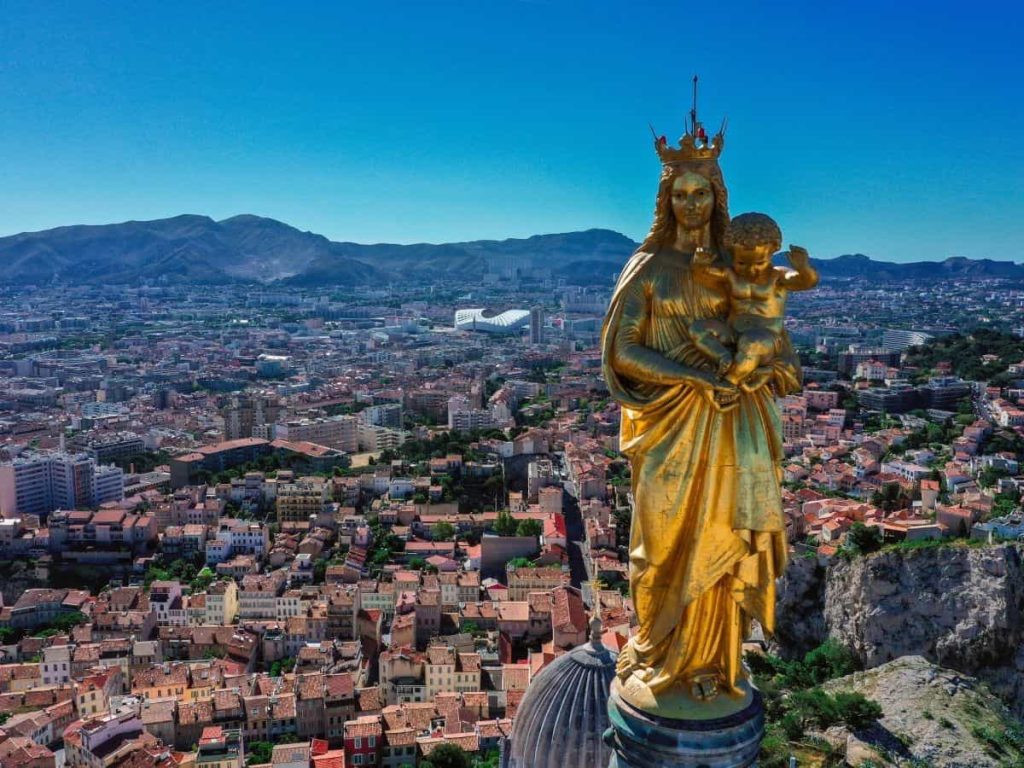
[(695, 128), (694, 143)]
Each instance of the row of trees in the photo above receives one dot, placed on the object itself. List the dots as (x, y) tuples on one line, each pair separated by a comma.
[(505, 525)]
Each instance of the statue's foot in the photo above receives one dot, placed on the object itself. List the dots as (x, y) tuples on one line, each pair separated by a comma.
[(643, 674), (624, 664), (629, 663)]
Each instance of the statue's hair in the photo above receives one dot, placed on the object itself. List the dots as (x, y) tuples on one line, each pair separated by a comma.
[(663, 230), (750, 230)]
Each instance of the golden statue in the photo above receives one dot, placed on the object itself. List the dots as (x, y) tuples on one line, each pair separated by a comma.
[(695, 351)]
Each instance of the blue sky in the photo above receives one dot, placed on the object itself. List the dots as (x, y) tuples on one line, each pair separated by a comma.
[(891, 129)]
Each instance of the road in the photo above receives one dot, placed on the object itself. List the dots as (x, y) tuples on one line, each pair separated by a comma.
[(573, 528)]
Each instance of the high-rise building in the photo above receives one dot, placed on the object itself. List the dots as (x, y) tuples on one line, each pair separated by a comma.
[(37, 484), (386, 415), (536, 325), (108, 447), (463, 417), (246, 411)]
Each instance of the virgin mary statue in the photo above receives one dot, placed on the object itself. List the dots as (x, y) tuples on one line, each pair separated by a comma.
[(707, 539)]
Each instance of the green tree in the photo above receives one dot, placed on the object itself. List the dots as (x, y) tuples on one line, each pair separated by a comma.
[(1005, 503), (282, 666), (258, 752), (442, 531), (202, 581), (491, 759), (889, 497), (827, 662), (505, 525), (857, 711), (447, 755), (529, 528), (66, 622), (862, 539), (813, 708), (521, 562), (9, 635), (990, 475)]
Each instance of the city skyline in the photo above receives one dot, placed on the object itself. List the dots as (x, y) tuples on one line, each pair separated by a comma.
[(515, 119)]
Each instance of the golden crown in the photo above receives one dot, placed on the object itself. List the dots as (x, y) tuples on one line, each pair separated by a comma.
[(694, 143)]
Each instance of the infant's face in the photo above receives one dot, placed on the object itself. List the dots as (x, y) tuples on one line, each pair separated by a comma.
[(751, 263)]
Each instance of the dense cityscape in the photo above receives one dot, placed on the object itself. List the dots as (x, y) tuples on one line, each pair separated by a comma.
[(347, 525)]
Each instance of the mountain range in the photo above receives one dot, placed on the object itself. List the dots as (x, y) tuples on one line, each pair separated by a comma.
[(247, 248)]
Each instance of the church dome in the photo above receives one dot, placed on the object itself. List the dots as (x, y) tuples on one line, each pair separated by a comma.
[(564, 713)]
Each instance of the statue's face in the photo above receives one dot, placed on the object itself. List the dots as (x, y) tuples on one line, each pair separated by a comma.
[(693, 200)]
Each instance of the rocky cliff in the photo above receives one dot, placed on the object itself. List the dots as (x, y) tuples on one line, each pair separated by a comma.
[(961, 607), (930, 716)]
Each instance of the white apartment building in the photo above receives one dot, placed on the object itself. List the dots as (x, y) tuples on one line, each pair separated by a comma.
[(339, 432), (57, 665), (40, 483), (374, 438), (462, 417), (237, 537)]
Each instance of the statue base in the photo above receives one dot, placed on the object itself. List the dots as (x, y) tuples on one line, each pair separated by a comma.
[(641, 739)]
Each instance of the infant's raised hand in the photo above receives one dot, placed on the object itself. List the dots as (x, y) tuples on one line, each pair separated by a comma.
[(798, 256)]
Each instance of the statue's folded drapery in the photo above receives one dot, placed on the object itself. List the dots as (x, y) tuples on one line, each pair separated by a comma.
[(708, 536)]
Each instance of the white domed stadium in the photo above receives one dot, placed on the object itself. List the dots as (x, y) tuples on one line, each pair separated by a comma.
[(509, 321)]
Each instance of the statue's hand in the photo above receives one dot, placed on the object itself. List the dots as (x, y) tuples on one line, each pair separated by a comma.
[(757, 379), (798, 257), (722, 395)]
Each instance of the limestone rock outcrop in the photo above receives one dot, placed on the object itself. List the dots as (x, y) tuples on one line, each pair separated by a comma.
[(931, 716), (961, 607)]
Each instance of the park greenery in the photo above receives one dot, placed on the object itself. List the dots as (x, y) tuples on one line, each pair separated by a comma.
[(189, 571), (965, 351), (796, 704), (62, 624)]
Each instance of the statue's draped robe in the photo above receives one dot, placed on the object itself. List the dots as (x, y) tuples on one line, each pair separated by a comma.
[(708, 536)]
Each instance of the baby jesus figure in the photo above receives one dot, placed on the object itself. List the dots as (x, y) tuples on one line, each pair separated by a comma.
[(757, 292)]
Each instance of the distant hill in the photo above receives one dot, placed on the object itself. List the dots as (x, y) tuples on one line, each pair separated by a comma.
[(596, 254), (958, 267), (188, 249), (247, 248)]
